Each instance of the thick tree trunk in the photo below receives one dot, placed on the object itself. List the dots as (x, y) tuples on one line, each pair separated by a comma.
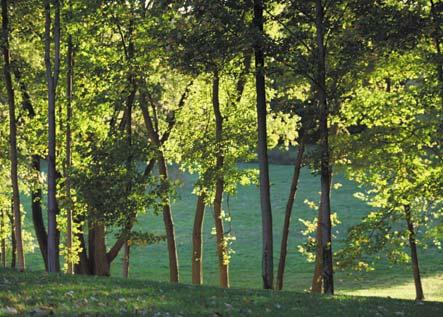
[(12, 139), (326, 242), (222, 251), (125, 260), (289, 205), (197, 242), (101, 265), (262, 151), (52, 78), (419, 295)]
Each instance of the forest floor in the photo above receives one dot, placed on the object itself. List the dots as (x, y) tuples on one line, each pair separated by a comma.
[(39, 294), (151, 262)]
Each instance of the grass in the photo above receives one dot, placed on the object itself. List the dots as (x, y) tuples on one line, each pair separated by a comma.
[(37, 293), (151, 262)]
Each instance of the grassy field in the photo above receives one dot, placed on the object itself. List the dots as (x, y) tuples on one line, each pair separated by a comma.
[(37, 294), (151, 262)]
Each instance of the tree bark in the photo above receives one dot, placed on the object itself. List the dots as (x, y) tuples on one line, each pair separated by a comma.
[(326, 241), (101, 263), (289, 205), (419, 295), (222, 251), (12, 139), (52, 79), (197, 243), (262, 151)]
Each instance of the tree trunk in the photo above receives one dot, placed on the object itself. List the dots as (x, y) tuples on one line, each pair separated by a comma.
[(262, 151), (317, 284), (82, 267), (197, 243), (68, 163), (289, 205), (37, 215), (169, 224), (419, 296), (125, 263), (222, 251), (167, 212), (100, 261), (52, 78), (13, 242), (12, 139), (3, 238), (326, 242)]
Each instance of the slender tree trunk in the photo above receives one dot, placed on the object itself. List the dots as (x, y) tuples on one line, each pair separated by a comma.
[(419, 295), (317, 284), (68, 163), (262, 151), (12, 139), (13, 242), (52, 78), (197, 242), (167, 212), (125, 263), (289, 205), (82, 267), (169, 224), (326, 241), (3, 238), (222, 252)]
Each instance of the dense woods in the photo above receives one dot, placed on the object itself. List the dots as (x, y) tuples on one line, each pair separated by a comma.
[(100, 100)]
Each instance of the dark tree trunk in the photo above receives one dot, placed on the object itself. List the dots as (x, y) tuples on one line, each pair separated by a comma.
[(12, 139), (82, 267), (289, 205), (222, 250), (37, 215), (52, 79), (197, 243), (419, 295), (262, 151), (326, 242), (68, 162), (100, 260), (13, 242)]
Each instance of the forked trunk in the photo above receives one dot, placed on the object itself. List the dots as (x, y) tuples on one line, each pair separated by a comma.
[(262, 151), (197, 242), (287, 221), (12, 139), (419, 295)]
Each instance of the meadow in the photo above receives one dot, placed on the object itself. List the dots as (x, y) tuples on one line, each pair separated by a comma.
[(151, 262)]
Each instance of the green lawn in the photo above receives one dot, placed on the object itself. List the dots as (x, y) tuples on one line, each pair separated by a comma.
[(151, 262), (39, 294)]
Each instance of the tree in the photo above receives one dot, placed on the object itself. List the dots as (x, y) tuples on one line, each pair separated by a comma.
[(265, 196), (12, 140), (52, 75)]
